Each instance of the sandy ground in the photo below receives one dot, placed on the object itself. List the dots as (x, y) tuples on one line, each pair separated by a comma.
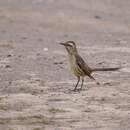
[(35, 82)]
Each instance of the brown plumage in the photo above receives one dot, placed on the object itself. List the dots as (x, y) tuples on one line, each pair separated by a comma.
[(78, 65)]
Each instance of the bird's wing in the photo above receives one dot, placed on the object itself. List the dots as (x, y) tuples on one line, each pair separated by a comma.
[(81, 63)]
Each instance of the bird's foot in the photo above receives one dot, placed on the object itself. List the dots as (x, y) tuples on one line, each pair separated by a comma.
[(77, 90)]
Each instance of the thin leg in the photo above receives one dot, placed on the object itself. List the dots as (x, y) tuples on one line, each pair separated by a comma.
[(77, 84), (82, 83)]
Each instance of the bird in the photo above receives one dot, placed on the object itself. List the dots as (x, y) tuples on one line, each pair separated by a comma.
[(78, 66)]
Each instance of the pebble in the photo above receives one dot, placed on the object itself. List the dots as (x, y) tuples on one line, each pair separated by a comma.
[(97, 17), (9, 55), (45, 49), (56, 63), (108, 84), (7, 66)]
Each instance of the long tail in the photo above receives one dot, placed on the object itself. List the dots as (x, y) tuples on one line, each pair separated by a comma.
[(105, 69)]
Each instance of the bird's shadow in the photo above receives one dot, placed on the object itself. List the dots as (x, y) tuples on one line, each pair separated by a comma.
[(72, 91)]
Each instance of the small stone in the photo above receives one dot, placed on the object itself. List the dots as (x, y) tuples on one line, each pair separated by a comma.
[(101, 62), (98, 83), (19, 56), (108, 84), (103, 99), (61, 62), (10, 82), (56, 63), (97, 17), (45, 49), (88, 110), (113, 94), (24, 38), (9, 55), (7, 66), (38, 54)]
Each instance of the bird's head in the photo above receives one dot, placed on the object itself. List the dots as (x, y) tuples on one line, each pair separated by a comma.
[(70, 47)]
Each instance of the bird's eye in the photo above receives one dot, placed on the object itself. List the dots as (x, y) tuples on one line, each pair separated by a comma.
[(69, 45)]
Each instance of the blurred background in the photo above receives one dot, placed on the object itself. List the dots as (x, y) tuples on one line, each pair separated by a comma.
[(34, 75)]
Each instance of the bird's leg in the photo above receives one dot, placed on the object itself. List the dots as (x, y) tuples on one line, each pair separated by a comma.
[(77, 84), (82, 83)]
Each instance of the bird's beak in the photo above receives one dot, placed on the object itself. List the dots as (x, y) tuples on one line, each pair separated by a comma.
[(64, 44)]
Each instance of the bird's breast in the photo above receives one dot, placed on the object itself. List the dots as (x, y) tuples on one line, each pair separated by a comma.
[(74, 67)]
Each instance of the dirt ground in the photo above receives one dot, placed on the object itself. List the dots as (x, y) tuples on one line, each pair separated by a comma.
[(35, 80)]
